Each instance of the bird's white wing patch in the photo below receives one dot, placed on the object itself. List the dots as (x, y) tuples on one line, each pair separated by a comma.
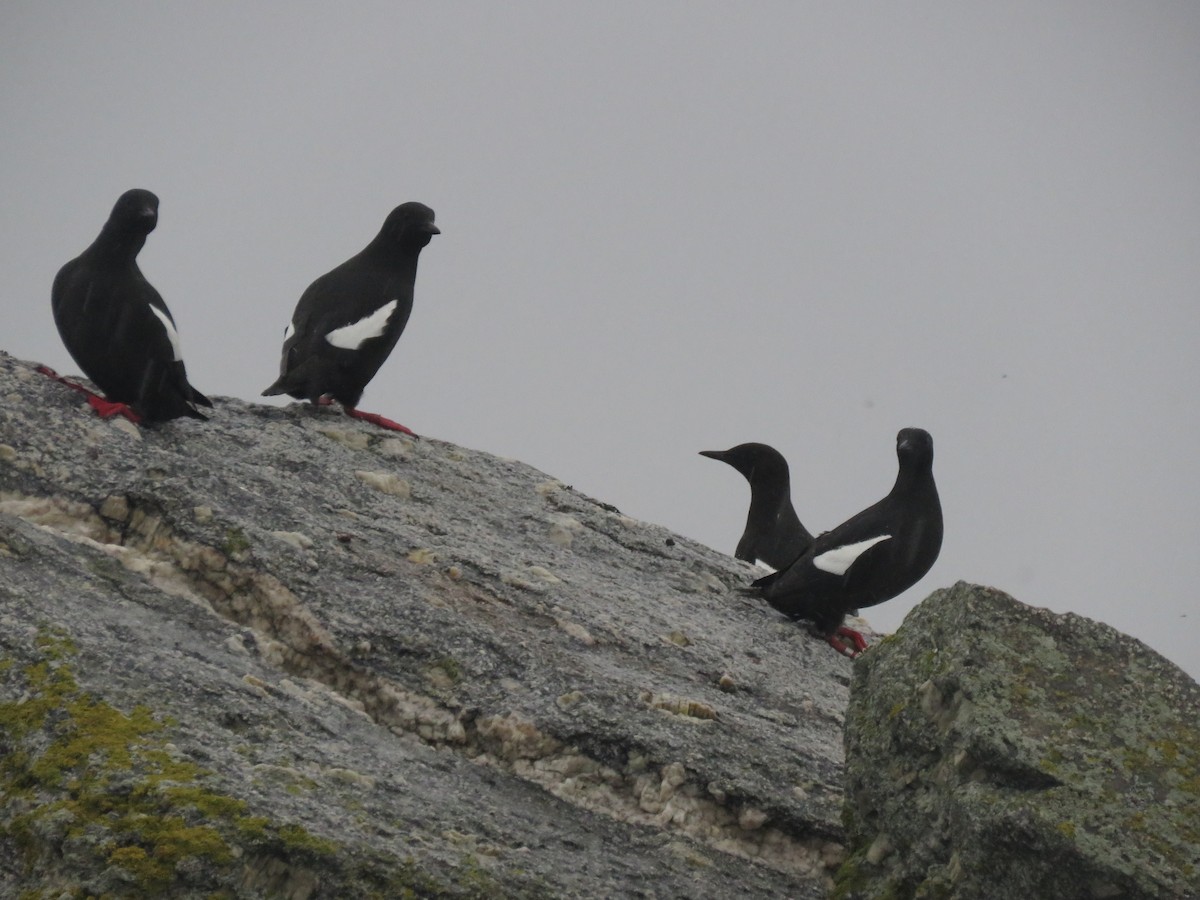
[(172, 334), (839, 559), (352, 336), (289, 331)]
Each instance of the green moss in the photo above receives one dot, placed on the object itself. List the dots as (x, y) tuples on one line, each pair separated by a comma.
[(79, 770), (851, 877), (95, 795), (299, 839), (106, 568), (1168, 751), (474, 882), (1067, 829), (253, 828), (450, 666), (875, 889), (236, 543)]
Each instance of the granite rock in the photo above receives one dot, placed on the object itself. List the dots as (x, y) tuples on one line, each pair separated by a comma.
[(1001, 751), (282, 653)]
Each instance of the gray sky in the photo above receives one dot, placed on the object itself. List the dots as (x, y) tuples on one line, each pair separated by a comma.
[(671, 227)]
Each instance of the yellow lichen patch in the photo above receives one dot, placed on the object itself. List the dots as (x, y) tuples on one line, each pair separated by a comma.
[(398, 447), (680, 706), (751, 819), (297, 539), (563, 529), (78, 765), (513, 737), (123, 424), (577, 631), (569, 699), (351, 777), (386, 483), (355, 440), (114, 508), (689, 854), (257, 685), (421, 556), (444, 674), (545, 574), (518, 580), (69, 517), (678, 638)]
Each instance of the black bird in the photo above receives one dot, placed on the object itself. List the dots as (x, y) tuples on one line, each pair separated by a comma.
[(350, 318), (116, 326), (773, 532), (870, 558)]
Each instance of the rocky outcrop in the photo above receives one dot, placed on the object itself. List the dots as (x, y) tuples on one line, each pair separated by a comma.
[(282, 653), (999, 751)]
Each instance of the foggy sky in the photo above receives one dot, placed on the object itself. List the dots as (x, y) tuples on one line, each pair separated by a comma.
[(672, 227)]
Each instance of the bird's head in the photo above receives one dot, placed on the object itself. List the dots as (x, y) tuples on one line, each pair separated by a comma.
[(411, 225), (752, 460), (136, 211), (914, 446)]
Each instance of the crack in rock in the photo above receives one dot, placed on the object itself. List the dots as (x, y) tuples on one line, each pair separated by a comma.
[(290, 638)]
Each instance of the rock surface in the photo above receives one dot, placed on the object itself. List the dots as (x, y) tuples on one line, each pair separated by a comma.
[(283, 653), (1000, 751)]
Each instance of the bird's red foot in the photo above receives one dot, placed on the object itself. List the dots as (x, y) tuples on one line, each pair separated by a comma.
[(860, 643), (376, 419), (106, 409)]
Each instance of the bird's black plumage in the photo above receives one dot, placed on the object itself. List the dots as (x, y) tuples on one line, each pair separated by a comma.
[(774, 533), (871, 557), (348, 320), (115, 324)]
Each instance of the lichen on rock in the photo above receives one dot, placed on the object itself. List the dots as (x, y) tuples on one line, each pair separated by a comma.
[(282, 596), (996, 750)]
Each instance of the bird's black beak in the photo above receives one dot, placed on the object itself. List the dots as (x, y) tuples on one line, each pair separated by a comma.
[(714, 454), (432, 229)]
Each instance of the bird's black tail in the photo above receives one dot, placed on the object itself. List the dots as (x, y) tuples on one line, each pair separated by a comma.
[(279, 387), (164, 394), (757, 586), (197, 397)]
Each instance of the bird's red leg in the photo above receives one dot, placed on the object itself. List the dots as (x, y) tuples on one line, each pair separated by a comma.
[(106, 409), (376, 419), (839, 646), (860, 643)]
